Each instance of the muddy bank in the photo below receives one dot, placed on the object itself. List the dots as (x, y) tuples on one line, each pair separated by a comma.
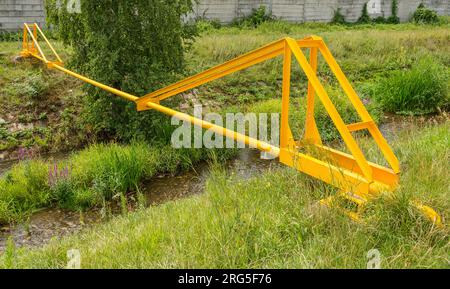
[(393, 124), (47, 224)]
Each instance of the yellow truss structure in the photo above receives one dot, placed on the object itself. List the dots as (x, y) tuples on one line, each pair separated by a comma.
[(357, 179)]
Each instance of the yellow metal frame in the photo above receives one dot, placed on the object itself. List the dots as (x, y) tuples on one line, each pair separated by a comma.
[(358, 180)]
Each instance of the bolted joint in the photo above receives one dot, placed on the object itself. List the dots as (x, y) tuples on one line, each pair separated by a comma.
[(51, 64), (142, 105), (25, 53)]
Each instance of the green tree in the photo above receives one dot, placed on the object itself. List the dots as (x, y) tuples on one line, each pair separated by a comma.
[(133, 45)]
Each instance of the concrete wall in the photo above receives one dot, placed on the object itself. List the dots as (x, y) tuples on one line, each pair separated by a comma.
[(13, 13), (313, 10)]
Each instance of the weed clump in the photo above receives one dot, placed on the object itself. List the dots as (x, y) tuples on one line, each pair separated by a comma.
[(90, 178), (424, 15), (256, 18), (33, 87), (394, 19), (338, 18), (421, 90), (23, 190), (364, 18), (207, 25)]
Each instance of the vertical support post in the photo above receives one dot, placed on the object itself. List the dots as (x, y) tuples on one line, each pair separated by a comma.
[(311, 132), (284, 133), (35, 34), (25, 39)]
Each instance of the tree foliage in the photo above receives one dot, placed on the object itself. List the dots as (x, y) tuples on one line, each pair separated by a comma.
[(133, 45)]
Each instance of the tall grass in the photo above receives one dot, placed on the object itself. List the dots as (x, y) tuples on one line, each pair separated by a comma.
[(88, 178), (423, 89), (23, 189), (271, 222)]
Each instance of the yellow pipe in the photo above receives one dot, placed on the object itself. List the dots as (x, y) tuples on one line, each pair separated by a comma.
[(39, 58), (48, 42), (36, 42), (263, 146), (117, 92)]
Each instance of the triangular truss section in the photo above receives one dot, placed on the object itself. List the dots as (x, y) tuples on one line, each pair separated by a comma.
[(31, 47), (351, 172), (358, 180)]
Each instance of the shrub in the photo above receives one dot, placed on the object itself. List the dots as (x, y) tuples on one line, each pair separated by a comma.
[(364, 18), (379, 20), (62, 193), (394, 19), (421, 90), (338, 18), (206, 25), (424, 15), (444, 20), (256, 18)]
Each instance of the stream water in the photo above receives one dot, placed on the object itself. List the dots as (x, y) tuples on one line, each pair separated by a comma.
[(51, 223)]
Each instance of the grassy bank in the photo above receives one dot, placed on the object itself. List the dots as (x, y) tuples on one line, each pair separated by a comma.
[(89, 178), (271, 221)]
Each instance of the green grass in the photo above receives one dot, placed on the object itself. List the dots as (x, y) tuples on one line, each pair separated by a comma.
[(24, 188), (89, 178), (423, 89), (366, 53), (271, 222)]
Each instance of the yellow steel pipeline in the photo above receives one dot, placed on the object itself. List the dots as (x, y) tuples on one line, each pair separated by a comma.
[(153, 103), (117, 92), (263, 146)]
